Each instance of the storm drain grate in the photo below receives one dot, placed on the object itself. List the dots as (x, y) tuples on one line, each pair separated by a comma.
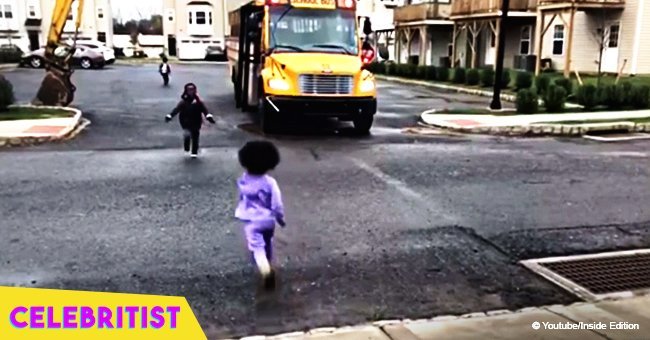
[(598, 276)]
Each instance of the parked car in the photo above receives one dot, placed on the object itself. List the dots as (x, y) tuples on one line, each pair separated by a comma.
[(84, 57), (10, 53), (214, 52), (109, 53)]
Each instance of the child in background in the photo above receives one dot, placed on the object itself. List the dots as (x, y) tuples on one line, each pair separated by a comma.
[(165, 70), (191, 111), (260, 204)]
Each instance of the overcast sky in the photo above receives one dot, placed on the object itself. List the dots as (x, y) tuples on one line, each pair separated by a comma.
[(133, 9)]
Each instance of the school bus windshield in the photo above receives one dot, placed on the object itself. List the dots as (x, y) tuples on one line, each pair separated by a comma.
[(313, 30)]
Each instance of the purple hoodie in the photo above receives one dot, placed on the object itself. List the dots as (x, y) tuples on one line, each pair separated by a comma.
[(260, 199)]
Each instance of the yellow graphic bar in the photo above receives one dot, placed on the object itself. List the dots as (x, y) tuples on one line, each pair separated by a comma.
[(29, 313)]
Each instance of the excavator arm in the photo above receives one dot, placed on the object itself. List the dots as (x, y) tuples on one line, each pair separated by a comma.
[(57, 88)]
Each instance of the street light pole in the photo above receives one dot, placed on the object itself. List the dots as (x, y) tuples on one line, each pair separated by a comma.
[(496, 99)]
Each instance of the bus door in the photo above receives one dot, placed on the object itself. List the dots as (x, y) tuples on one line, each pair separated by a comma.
[(250, 55)]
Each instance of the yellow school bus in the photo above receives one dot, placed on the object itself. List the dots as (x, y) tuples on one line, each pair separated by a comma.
[(302, 57)]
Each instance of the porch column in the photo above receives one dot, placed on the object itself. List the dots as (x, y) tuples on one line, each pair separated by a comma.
[(497, 34), (567, 64), (398, 45), (539, 26), (423, 45), (453, 45), (409, 41), (474, 31)]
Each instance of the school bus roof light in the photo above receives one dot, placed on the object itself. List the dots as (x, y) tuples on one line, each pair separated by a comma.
[(347, 4), (277, 2)]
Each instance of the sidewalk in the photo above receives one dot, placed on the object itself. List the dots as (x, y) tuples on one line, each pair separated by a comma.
[(556, 124), (8, 67), (613, 319), (31, 131)]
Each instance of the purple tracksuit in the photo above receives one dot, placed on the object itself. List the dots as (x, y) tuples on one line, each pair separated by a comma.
[(260, 206)]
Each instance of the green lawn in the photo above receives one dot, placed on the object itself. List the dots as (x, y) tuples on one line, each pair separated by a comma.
[(33, 113)]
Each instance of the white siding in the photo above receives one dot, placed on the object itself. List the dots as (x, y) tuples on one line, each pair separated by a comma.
[(643, 63), (627, 34)]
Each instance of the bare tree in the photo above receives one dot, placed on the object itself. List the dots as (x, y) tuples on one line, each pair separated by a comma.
[(601, 36)]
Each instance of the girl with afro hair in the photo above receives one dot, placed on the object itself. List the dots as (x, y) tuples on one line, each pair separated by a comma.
[(260, 204)]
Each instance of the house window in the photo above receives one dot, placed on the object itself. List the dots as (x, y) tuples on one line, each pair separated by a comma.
[(558, 40), (100, 13), (210, 17), (613, 36), (524, 44), (190, 17), (200, 18), (32, 11), (8, 12)]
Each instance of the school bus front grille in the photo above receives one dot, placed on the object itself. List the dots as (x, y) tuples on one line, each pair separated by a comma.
[(326, 84)]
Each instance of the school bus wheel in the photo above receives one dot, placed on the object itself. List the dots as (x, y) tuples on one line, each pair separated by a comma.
[(268, 117), (363, 123)]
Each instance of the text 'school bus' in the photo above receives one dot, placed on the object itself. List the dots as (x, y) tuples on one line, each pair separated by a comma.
[(302, 57)]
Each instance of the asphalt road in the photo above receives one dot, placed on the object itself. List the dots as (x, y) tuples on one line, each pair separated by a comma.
[(380, 227)]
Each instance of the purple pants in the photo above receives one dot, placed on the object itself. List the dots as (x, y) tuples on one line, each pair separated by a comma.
[(259, 236)]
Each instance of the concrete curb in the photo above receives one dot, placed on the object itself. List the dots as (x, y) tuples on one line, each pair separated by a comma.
[(8, 67), (542, 129), (383, 324), (458, 89), (546, 129), (71, 131)]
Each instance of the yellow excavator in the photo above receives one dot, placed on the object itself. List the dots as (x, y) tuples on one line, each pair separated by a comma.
[(57, 88)]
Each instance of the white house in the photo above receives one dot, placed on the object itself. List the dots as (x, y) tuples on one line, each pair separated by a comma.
[(26, 23), (194, 27)]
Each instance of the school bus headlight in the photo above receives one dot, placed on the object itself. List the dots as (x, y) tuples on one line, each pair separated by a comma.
[(279, 84), (367, 86)]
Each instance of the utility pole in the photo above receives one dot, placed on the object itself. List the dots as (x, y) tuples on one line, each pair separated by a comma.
[(496, 99)]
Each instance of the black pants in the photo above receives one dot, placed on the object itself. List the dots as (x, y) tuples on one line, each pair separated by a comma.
[(191, 139), (165, 78)]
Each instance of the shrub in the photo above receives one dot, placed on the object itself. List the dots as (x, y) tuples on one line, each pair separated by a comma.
[(542, 83), (641, 97), (406, 70), (410, 70), (398, 69), (588, 96), (473, 77), (629, 95), (442, 73), (505, 78), (459, 75), (6, 93), (565, 83), (555, 98), (430, 73), (421, 72), (391, 69), (487, 77), (375, 67), (524, 80), (614, 97), (527, 101)]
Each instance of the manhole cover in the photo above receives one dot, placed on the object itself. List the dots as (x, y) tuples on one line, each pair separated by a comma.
[(599, 276)]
